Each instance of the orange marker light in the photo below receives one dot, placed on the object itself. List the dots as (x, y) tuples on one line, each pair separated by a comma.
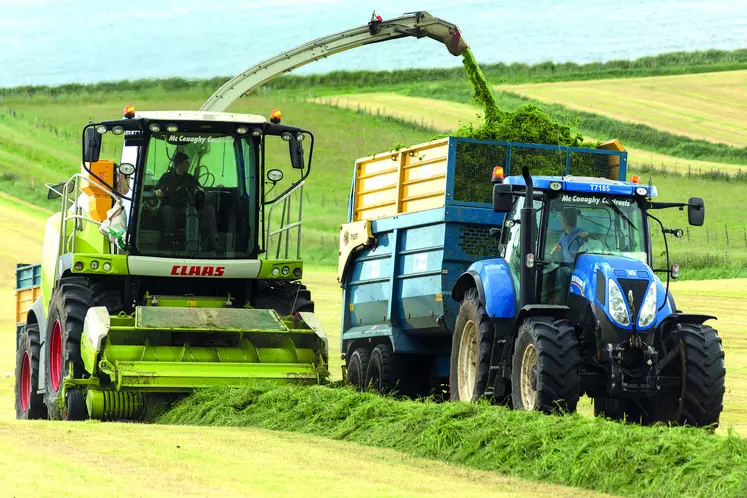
[(275, 116), (129, 111), (498, 174), (635, 179)]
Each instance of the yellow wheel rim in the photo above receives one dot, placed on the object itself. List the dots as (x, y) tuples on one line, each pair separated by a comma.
[(529, 378), (467, 366)]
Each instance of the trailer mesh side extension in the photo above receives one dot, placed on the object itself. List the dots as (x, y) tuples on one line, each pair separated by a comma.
[(473, 170), (594, 165)]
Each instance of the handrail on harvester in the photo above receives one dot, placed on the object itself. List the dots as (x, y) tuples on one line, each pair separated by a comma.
[(416, 24)]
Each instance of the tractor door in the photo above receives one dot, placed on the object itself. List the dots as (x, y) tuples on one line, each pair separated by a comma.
[(512, 239)]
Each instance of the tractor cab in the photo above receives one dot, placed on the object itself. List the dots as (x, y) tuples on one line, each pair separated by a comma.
[(193, 184)]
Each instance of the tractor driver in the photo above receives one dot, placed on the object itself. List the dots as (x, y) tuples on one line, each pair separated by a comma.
[(565, 251), (174, 188)]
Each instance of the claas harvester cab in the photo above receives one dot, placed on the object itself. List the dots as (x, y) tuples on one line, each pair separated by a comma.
[(574, 306), (174, 266)]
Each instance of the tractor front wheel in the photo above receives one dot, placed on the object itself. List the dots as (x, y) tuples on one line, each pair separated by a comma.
[(546, 366), (29, 404)]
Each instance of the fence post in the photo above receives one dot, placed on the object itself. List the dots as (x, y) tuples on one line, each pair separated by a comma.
[(726, 232), (744, 230), (708, 239), (687, 231)]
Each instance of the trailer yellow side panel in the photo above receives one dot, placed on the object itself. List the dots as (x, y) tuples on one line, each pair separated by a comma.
[(402, 181)]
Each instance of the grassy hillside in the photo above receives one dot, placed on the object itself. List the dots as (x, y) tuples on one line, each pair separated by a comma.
[(707, 106)]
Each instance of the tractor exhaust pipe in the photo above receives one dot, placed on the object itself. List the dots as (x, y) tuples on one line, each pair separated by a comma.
[(527, 280)]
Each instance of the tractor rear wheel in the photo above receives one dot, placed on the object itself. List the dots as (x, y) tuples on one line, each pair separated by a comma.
[(546, 366), (383, 370), (471, 348), (29, 404), (700, 399), (71, 299), (357, 368)]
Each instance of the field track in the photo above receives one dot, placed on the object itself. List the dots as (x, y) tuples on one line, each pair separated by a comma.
[(445, 116), (709, 106), (72, 459)]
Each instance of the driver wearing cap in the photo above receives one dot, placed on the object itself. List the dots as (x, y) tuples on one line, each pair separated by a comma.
[(571, 239), (174, 188)]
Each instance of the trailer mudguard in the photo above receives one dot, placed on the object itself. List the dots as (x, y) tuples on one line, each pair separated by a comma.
[(494, 284)]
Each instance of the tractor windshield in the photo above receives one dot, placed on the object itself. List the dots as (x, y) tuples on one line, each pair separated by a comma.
[(198, 196), (594, 224)]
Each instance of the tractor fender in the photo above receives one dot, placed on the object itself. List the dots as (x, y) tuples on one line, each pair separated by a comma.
[(683, 318), (552, 310), (494, 285)]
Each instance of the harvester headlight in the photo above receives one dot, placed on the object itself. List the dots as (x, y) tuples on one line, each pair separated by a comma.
[(101, 129), (286, 136), (94, 265), (286, 270), (297, 272), (117, 130), (275, 271), (107, 266), (648, 309), (78, 266), (172, 128), (618, 309), (242, 130), (154, 127), (256, 132), (300, 137)]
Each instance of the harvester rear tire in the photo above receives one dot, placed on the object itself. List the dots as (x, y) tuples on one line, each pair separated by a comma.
[(29, 404), (358, 367), (471, 348), (383, 370), (71, 299), (546, 366)]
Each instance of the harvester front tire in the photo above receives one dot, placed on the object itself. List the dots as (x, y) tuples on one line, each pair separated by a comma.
[(71, 299), (29, 404), (546, 366), (383, 370), (76, 405), (471, 348), (358, 367)]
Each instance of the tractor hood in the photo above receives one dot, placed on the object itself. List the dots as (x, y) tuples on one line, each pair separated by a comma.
[(624, 291)]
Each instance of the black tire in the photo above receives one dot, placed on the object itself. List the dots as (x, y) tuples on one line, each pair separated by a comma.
[(701, 397), (553, 377), (358, 367), (71, 299), (383, 370), (76, 405), (29, 404), (472, 319)]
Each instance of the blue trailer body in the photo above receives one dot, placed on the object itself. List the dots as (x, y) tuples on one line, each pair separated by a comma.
[(399, 288)]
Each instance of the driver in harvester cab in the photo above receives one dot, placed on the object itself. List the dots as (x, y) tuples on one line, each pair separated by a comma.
[(565, 251), (174, 188)]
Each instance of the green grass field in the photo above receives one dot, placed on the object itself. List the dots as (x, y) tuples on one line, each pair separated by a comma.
[(706, 106)]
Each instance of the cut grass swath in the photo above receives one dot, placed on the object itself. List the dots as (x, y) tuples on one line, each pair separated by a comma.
[(572, 450)]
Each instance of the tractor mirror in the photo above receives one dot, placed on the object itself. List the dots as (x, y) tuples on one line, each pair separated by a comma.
[(92, 146), (296, 153), (696, 211), (502, 198)]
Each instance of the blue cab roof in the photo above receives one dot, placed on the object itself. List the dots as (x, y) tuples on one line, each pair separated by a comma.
[(585, 184)]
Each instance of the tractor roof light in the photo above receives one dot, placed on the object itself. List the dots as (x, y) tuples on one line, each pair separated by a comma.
[(129, 111), (276, 116), (641, 191), (497, 174), (556, 186), (101, 129)]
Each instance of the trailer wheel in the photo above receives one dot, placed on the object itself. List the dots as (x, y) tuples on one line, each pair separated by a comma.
[(357, 368), (29, 404), (382, 373), (701, 397), (546, 366), (471, 348), (71, 299)]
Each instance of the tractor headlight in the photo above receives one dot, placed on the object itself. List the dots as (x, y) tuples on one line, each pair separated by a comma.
[(618, 309), (648, 309)]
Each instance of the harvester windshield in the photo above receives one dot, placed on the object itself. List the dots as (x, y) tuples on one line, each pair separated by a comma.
[(199, 195)]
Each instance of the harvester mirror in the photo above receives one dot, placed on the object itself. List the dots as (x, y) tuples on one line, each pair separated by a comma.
[(296, 152), (502, 198), (696, 211), (92, 145), (274, 175), (55, 191)]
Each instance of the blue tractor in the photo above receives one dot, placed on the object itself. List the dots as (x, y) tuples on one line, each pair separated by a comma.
[(573, 306)]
